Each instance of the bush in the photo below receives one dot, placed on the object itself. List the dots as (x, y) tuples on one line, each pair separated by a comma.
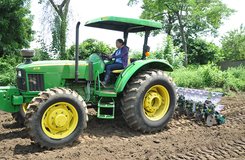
[(202, 52), (235, 79), (210, 76), (8, 70), (89, 46), (41, 55), (135, 55), (188, 77), (170, 53), (233, 44)]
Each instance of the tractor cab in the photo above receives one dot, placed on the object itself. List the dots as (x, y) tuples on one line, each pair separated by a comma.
[(126, 25)]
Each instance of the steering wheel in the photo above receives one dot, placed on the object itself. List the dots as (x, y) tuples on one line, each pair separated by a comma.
[(104, 56)]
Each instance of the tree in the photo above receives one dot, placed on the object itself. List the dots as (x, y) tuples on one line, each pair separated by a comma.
[(202, 52), (42, 52), (15, 26), (170, 53), (88, 47), (59, 25), (233, 44), (56, 29), (8, 65), (185, 19)]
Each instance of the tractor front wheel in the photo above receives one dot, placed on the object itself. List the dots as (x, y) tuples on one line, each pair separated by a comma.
[(148, 101), (56, 117)]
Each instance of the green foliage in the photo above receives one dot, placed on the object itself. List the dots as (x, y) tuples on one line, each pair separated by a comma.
[(202, 52), (55, 45), (56, 17), (89, 46), (187, 77), (197, 17), (210, 76), (42, 53), (185, 19), (136, 55), (233, 44), (169, 50), (15, 26), (7, 70), (170, 53), (235, 79), (173, 54)]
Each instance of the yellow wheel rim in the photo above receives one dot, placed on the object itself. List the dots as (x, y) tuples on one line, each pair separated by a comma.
[(24, 107), (59, 120), (156, 102)]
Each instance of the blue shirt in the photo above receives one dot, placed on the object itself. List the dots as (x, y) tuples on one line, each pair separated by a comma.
[(123, 55), (118, 60)]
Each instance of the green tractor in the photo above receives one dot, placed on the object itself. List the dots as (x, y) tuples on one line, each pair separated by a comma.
[(51, 97)]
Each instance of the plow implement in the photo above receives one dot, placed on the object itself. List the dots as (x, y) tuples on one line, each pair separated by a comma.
[(201, 105)]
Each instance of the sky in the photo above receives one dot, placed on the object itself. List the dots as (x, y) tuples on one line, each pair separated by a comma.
[(86, 10)]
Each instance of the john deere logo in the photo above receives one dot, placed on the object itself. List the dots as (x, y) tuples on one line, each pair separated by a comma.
[(36, 68)]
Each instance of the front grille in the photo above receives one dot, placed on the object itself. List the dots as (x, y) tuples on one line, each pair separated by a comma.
[(36, 82), (21, 81)]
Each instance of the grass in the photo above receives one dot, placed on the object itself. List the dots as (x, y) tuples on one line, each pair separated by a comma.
[(210, 77)]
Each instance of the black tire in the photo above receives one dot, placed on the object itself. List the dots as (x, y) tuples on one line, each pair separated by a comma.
[(43, 103), (133, 109), (19, 117)]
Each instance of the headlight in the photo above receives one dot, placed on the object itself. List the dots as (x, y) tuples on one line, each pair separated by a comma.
[(19, 73)]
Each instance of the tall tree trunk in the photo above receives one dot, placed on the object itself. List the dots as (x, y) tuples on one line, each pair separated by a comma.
[(62, 11), (169, 27), (63, 28), (183, 38)]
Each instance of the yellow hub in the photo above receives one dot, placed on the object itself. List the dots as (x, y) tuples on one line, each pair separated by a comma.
[(156, 102), (59, 120)]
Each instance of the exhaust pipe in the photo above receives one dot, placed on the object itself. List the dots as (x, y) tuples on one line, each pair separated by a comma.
[(77, 52)]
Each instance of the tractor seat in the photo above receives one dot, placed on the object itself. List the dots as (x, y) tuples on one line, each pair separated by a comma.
[(120, 70)]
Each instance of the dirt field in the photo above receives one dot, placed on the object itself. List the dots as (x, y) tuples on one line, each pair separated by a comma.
[(105, 139)]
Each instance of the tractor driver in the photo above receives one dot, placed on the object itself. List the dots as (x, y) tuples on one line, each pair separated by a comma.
[(120, 62)]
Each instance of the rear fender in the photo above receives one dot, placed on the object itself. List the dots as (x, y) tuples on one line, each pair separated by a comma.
[(139, 66)]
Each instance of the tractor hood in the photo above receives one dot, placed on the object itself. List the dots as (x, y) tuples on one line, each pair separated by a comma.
[(51, 63), (58, 68), (41, 75), (51, 66)]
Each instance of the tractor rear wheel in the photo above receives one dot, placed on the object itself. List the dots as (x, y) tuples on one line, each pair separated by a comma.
[(149, 101), (20, 116), (56, 117)]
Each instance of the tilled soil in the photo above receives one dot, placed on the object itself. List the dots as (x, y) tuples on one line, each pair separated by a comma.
[(112, 139)]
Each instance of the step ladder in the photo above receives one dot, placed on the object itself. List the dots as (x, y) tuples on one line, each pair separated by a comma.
[(106, 108)]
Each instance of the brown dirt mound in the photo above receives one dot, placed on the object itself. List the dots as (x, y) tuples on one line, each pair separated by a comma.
[(112, 139)]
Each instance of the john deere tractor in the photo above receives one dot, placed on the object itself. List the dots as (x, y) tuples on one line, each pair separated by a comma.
[(51, 97)]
